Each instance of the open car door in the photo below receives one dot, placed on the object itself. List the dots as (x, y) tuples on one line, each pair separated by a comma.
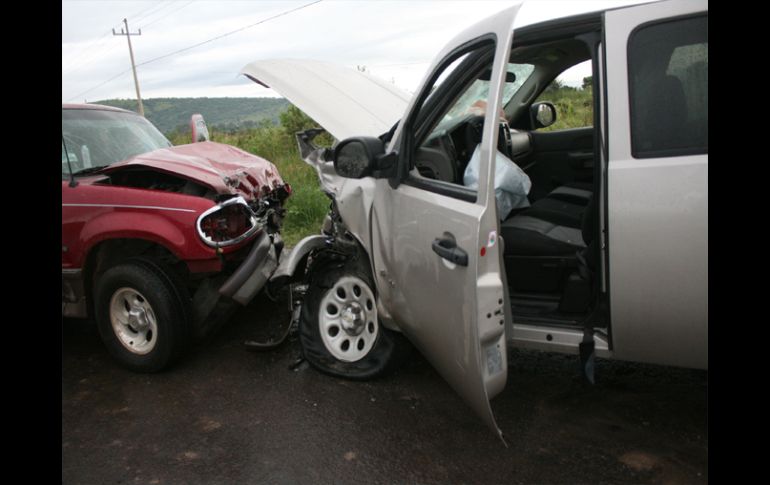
[(434, 247), (434, 244)]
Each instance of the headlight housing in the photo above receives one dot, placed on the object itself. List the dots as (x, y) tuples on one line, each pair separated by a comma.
[(228, 223)]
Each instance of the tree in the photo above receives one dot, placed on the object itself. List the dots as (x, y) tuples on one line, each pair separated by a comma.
[(555, 85), (294, 120)]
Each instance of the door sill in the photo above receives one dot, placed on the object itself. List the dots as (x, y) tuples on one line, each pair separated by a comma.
[(556, 338)]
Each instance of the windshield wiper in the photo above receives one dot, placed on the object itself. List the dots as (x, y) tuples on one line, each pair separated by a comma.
[(88, 170)]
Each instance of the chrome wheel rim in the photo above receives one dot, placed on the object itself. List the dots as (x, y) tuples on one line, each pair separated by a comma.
[(133, 321), (348, 319)]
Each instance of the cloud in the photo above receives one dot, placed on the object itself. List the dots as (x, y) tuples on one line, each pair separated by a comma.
[(390, 37)]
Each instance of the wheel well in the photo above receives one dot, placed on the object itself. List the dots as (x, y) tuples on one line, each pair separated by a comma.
[(343, 249), (108, 253)]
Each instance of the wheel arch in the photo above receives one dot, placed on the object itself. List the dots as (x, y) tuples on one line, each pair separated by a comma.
[(110, 252)]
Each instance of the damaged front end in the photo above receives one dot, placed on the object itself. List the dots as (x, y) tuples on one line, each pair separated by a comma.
[(334, 234), (234, 221), (319, 158), (246, 237), (240, 232)]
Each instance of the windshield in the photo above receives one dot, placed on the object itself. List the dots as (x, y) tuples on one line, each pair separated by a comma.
[(93, 138), (479, 89)]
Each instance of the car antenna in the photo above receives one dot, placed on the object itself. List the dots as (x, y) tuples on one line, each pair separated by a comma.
[(73, 183)]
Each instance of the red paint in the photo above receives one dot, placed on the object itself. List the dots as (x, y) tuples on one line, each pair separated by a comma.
[(84, 227), (224, 168), (94, 211), (483, 251)]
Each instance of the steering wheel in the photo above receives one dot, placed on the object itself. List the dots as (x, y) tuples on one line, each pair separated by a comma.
[(504, 142), (474, 130)]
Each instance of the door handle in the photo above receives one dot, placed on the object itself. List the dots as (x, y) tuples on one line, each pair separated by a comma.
[(579, 160), (446, 247)]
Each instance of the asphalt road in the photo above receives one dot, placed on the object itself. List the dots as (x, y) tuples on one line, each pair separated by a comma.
[(226, 415)]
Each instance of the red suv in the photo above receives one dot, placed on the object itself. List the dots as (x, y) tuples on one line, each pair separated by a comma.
[(159, 242)]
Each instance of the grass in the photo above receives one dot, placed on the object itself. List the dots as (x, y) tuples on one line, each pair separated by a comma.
[(574, 107), (307, 206)]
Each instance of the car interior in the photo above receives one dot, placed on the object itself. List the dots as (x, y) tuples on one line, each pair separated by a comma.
[(551, 247)]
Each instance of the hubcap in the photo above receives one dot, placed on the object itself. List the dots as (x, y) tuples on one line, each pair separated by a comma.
[(348, 319), (352, 320), (133, 321)]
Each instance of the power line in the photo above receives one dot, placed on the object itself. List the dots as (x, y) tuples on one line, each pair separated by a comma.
[(229, 33), (165, 6), (99, 85), (166, 15), (148, 11), (81, 51), (194, 46), (101, 52), (107, 34), (90, 59)]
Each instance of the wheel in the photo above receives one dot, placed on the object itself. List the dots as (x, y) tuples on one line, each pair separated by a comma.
[(339, 329), (141, 316)]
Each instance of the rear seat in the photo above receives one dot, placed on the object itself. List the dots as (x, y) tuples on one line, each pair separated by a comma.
[(575, 192)]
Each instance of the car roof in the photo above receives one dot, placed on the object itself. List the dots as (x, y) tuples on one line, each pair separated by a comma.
[(94, 107)]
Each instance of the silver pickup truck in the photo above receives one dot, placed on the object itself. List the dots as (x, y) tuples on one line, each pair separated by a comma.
[(607, 257)]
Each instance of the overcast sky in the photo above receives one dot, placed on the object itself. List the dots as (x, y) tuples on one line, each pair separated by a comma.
[(395, 40)]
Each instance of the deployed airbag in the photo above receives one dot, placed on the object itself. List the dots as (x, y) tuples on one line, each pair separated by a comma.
[(511, 183)]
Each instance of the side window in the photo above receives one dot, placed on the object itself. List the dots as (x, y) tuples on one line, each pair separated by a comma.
[(668, 86), (572, 95), (446, 123)]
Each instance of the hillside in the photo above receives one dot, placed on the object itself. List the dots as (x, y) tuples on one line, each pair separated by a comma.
[(227, 114)]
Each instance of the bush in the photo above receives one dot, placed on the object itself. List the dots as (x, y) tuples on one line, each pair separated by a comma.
[(307, 206)]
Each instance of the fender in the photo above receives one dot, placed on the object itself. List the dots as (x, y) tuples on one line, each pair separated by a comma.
[(173, 234), (297, 258)]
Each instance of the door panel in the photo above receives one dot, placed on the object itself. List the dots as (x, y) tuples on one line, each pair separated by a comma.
[(452, 309), (657, 201), (560, 157), (436, 303)]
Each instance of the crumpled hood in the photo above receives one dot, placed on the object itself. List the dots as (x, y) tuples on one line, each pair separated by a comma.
[(224, 168), (344, 101)]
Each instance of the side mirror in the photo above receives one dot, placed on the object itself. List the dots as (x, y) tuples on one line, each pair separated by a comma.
[(358, 157), (200, 131), (543, 114)]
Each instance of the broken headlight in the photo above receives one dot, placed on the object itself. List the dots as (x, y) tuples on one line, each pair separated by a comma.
[(228, 223)]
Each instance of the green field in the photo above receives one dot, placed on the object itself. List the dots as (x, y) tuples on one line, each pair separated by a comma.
[(574, 107)]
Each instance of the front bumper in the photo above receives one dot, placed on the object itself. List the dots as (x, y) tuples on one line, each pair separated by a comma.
[(250, 277)]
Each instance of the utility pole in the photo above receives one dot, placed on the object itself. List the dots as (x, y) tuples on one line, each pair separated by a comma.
[(128, 35)]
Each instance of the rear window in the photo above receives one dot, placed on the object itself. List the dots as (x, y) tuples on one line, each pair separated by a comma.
[(668, 83)]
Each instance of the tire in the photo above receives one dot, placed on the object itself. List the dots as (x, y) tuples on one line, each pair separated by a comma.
[(340, 305), (141, 315)]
